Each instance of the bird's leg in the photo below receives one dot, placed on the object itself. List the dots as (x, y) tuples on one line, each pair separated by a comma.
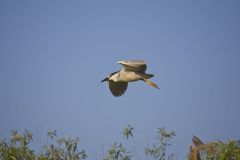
[(150, 83)]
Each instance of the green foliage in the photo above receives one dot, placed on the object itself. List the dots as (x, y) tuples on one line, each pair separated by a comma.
[(222, 151), (230, 150), (17, 148), (214, 150), (158, 149), (67, 148), (64, 148), (59, 149), (128, 131), (118, 152)]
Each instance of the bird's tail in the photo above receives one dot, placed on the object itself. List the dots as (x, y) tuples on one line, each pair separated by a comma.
[(151, 83), (149, 76), (144, 75)]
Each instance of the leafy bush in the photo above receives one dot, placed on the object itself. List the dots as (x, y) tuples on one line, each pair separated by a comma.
[(64, 148), (59, 149), (17, 148), (158, 149), (214, 150), (156, 152)]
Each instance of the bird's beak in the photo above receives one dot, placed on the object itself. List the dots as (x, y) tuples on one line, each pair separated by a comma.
[(105, 79)]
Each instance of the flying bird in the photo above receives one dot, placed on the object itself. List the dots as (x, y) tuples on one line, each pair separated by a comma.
[(132, 70)]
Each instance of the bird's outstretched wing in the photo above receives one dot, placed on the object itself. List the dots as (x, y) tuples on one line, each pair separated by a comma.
[(134, 65), (117, 88)]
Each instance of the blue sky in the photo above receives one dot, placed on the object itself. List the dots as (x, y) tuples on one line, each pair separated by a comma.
[(53, 55)]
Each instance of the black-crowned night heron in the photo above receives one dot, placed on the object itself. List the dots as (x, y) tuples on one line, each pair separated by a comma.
[(133, 70)]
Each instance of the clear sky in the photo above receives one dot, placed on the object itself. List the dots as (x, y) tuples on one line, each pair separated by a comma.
[(53, 55)]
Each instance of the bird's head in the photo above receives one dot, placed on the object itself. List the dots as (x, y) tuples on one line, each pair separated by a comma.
[(109, 76), (105, 79)]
